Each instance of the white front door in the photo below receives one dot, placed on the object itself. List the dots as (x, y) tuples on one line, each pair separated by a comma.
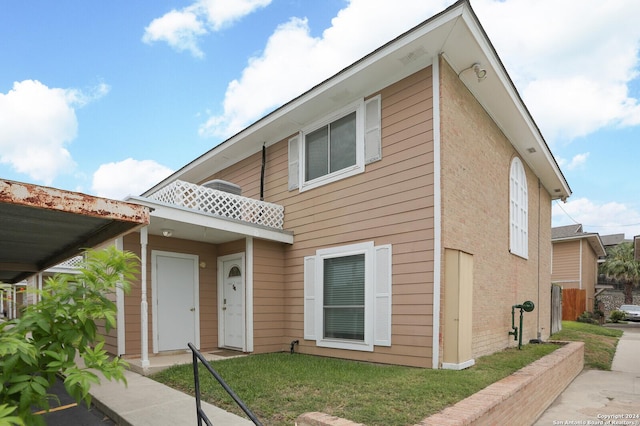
[(232, 302), (175, 284)]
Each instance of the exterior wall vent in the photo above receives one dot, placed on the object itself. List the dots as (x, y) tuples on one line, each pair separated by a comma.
[(222, 185)]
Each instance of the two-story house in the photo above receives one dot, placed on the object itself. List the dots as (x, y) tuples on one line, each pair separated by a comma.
[(393, 213)]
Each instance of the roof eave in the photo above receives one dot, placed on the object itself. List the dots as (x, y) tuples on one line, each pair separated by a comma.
[(592, 238), (457, 34)]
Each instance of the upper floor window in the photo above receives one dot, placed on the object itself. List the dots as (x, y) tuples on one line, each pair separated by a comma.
[(337, 146), (519, 210), (330, 148)]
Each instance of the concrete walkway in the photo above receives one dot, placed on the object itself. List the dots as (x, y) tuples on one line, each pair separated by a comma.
[(147, 402), (603, 396)]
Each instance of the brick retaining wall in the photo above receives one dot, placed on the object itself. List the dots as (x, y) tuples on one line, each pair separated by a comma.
[(517, 399)]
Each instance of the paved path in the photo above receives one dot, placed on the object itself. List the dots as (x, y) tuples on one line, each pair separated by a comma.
[(603, 396), (146, 402)]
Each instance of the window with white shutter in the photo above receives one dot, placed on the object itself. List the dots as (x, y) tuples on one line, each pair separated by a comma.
[(372, 132), (337, 146), (294, 158), (347, 297)]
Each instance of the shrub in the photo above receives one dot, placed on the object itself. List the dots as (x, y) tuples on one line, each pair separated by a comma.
[(587, 317), (44, 342), (617, 316)]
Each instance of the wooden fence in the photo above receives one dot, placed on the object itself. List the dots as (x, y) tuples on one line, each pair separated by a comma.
[(574, 303)]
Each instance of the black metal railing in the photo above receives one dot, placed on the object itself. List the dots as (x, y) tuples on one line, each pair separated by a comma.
[(196, 378)]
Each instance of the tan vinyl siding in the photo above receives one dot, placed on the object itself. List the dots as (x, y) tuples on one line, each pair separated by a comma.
[(110, 338), (589, 273), (476, 159), (391, 203), (566, 263), (268, 300)]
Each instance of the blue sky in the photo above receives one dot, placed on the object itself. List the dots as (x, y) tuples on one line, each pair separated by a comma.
[(108, 98)]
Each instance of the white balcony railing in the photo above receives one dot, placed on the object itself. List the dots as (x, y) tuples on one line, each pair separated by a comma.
[(221, 204), (74, 262)]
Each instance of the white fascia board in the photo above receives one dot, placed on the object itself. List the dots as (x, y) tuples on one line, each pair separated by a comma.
[(525, 128)]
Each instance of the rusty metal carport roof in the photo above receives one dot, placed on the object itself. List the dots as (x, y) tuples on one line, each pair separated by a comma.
[(42, 226)]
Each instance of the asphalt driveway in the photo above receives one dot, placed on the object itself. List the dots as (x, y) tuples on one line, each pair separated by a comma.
[(67, 412)]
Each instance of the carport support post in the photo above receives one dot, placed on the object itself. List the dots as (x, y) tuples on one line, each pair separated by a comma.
[(144, 307)]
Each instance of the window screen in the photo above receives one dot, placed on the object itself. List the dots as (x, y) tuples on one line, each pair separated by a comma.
[(344, 297)]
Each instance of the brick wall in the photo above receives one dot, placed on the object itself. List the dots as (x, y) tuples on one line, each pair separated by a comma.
[(520, 398), (476, 160)]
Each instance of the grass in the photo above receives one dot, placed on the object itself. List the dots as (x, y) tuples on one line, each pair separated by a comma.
[(599, 342), (279, 387)]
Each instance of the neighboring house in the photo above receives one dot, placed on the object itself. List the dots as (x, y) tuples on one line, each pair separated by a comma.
[(575, 259), (393, 213), (612, 240), (14, 297)]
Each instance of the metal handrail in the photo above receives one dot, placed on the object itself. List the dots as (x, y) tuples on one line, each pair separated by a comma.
[(196, 378)]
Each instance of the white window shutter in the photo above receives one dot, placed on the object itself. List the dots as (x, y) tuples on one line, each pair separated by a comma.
[(294, 160), (382, 281), (309, 298), (372, 132)]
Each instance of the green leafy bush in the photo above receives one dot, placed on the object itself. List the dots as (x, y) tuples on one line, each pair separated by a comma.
[(617, 316), (588, 318), (45, 341)]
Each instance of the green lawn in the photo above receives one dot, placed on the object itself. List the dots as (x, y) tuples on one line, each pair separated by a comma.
[(279, 387), (599, 342)]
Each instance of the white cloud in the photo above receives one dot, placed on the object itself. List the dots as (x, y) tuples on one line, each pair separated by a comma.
[(293, 61), (220, 13), (181, 29), (572, 60), (37, 123), (607, 218), (578, 161), (127, 177)]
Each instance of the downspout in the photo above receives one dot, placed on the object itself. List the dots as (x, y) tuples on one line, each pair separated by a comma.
[(437, 215), (264, 160), (539, 334)]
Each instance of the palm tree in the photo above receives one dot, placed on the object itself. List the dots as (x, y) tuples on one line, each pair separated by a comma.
[(621, 266)]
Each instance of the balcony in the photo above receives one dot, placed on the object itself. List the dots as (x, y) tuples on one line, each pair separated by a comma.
[(221, 204)]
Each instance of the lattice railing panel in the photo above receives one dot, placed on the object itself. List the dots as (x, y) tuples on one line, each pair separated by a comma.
[(221, 203), (74, 262)]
